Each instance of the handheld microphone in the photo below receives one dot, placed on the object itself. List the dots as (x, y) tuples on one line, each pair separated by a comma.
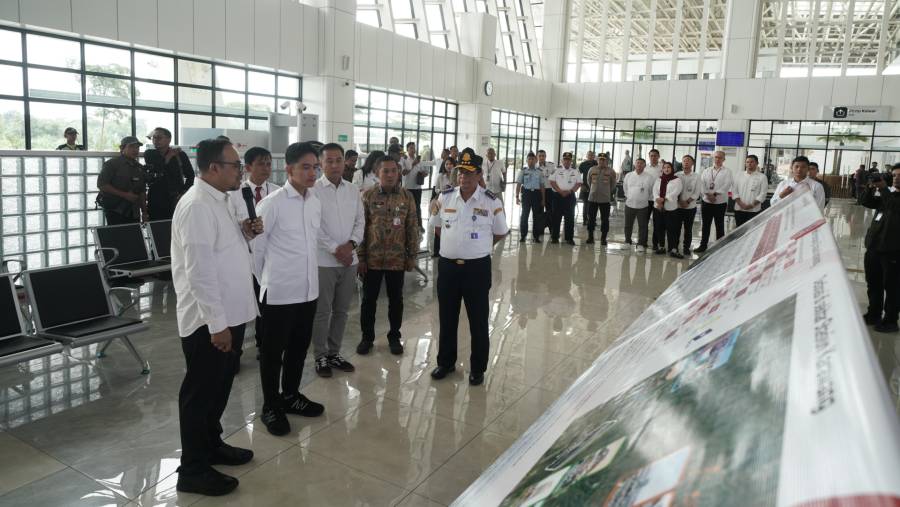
[(248, 199)]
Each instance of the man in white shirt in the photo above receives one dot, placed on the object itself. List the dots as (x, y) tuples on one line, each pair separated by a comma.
[(800, 179), (749, 191), (654, 166), (285, 261), (715, 183), (413, 172), (638, 188), (687, 201), (547, 169), (343, 226), (214, 301), (494, 174), (258, 166), (565, 182), (471, 222)]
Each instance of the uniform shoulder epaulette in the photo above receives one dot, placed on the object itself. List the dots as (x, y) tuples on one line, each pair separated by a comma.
[(490, 194), (451, 189)]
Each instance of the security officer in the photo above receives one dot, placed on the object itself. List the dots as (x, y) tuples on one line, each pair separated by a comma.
[(530, 194), (71, 136), (123, 195), (565, 182), (471, 221)]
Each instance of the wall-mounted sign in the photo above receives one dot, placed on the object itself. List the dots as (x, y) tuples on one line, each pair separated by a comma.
[(724, 138), (856, 113), (343, 138)]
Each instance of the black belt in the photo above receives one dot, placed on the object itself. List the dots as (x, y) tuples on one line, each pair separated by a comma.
[(467, 261), (531, 190)]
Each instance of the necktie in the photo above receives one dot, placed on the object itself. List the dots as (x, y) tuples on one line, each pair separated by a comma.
[(258, 195)]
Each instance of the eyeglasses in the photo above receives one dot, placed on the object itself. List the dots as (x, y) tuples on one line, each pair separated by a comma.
[(238, 165)]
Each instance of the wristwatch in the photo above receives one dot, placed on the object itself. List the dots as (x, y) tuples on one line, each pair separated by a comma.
[(354, 244)]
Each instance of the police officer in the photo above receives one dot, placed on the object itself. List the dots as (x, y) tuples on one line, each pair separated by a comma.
[(471, 221), (565, 183)]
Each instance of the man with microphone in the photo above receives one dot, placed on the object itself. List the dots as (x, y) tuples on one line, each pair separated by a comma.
[(211, 275)]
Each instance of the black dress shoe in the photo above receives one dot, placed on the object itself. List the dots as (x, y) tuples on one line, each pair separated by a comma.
[(538, 240), (210, 482), (554, 241), (570, 242), (476, 379), (442, 371), (230, 456), (872, 320), (522, 240), (395, 346), (364, 347), (887, 327), (700, 249)]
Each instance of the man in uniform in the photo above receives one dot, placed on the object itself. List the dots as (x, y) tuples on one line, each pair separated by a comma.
[(388, 249), (71, 136), (547, 169), (565, 183), (530, 195), (471, 221), (123, 195)]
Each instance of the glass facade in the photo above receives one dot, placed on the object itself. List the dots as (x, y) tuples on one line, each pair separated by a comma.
[(379, 115), (50, 82), (626, 140), (513, 135), (838, 147)]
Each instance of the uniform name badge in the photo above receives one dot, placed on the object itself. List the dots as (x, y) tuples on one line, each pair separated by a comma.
[(473, 234), (396, 222)]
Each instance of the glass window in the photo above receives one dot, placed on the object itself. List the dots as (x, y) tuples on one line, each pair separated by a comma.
[(48, 121), (148, 66), (230, 103), (192, 72), (370, 17), (146, 121), (402, 9), (51, 84), (230, 78), (53, 51), (229, 122), (12, 125), (406, 30), (193, 121), (108, 90), (260, 105), (10, 46), (154, 95), (10, 80), (289, 86), (107, 126), (194, 99), (261, 82), (107, 60)]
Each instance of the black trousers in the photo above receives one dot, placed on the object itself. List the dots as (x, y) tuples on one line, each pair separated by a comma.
[(371, 289), (468, 283), (710, 213), (417, 196), (874, 283), (160, 204), (288, 333), (531, 204), (563, 207), (260, 326), (659, 228), (672, 221), (548, 211), (113, 218), (204, 395), (591, 211), (890, 270), (742, 217), (686, 216)]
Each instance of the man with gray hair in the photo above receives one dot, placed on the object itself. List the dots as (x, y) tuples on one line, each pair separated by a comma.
[(715, 183)]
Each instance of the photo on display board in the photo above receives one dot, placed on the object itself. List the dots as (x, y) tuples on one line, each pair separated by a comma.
[(703, 431)]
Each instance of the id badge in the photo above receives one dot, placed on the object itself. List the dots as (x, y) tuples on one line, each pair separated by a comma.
[(397, 222), (473, 235), (878, 217), (712, 186)]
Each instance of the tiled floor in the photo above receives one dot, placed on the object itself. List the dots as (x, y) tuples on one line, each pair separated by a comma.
[(85, 431)]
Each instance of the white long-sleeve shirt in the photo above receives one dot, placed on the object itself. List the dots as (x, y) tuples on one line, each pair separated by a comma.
[(654, 170), (690, 188), (409, 180), (210, 263), (638, 189), (493, 176), (285, 255), (236, 198), (814, 186), (716, 181), (749, 188), (343, 219), (673, 190), (364, 182)]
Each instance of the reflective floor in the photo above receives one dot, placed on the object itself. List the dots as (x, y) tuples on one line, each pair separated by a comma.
[(84, 431)]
